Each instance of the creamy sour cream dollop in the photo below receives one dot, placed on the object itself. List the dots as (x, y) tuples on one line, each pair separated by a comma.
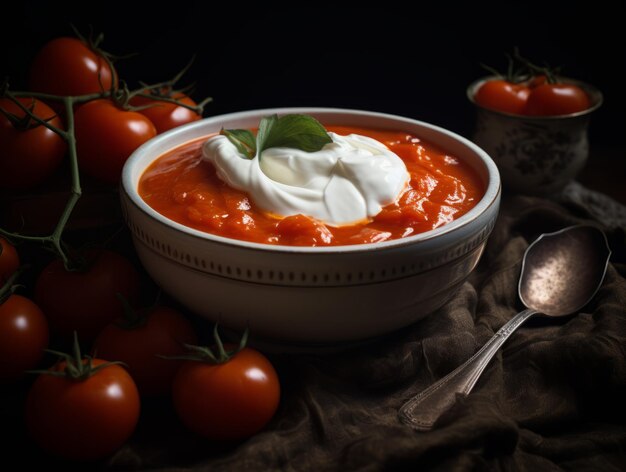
[(347, 181)]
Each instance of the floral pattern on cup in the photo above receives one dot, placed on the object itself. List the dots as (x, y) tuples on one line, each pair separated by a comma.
[(536, 155)]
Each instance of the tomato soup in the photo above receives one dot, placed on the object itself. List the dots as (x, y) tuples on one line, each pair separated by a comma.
[(185, 188)]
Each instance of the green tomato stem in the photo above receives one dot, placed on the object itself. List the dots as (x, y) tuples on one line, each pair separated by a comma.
[(9, 286), (206, 354), (61, 98), (131, 318), (158, 98), (55, 239), (77, 366), (32, 116), (76, 191)]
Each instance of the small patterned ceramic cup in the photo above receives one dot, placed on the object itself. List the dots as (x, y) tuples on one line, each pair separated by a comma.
[(536, 155)]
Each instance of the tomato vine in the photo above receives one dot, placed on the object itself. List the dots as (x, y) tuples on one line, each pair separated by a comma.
[(121, 97)]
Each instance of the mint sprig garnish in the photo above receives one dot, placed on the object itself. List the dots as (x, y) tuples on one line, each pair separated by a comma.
[(293, 131), (243, 139)]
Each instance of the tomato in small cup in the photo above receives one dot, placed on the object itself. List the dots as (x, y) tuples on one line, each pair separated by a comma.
[(535, 96), (502, 95), (556, 99)]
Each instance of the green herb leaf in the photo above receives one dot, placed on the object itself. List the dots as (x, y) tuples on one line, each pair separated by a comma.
[(293, 131), (265, 128), (243, 140)]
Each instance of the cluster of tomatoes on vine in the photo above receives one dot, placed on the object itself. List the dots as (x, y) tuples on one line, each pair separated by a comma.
[(86, 407), (110, 121), (530, 90)]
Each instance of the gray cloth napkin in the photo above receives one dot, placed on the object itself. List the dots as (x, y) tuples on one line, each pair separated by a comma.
[(552, 399)]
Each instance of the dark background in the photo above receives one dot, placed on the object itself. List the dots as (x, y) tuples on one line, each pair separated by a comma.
[(415, 61)]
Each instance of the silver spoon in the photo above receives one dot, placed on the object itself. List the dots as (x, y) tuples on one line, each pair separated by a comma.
[(561, 272)]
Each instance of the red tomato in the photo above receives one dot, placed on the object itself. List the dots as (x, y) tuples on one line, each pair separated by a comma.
[(232, 400), (23, 337), (86, 301), (9, 260), (67, 66), (106, 135), (166, 116), (536, 81), (501, 95), (556, 99), (162, 334), (28, 156), (83, 419)]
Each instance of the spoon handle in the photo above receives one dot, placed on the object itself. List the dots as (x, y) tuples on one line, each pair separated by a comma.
[(421, 411)]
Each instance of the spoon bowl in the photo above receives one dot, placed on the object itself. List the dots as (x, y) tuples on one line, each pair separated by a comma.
[(561, 272)]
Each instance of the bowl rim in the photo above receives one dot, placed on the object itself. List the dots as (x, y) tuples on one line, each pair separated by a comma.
[(490, 197)]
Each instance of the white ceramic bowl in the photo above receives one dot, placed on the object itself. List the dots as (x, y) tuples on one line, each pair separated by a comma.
[(310, 295)]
